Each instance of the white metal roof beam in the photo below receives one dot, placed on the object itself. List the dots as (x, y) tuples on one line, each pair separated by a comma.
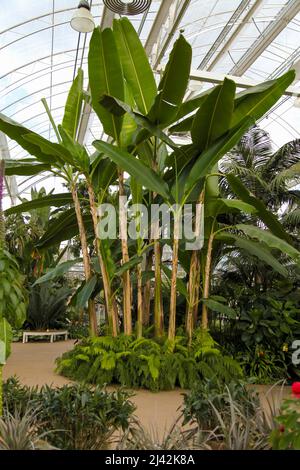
[(106, 22), (216, 78), (181, 8), (10, 181), (225, 31), (160, 19), (286, 14), (256, 5)]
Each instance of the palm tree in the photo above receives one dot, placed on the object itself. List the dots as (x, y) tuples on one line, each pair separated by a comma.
[(265, 173), (270, 176)]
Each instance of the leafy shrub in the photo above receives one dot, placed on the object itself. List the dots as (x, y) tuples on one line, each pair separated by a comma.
[(87, 417), (17, 397), (287, 434), (272, 322), (47, 306), (261, 335), (146, 363), (74, 416), (78, 330), (232, 416), (217, 393), (263, 366)]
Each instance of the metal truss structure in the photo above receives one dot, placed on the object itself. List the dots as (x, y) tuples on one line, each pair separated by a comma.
[(229, 37)]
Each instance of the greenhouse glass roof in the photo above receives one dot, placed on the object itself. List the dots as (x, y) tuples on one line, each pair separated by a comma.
[(40, 53)]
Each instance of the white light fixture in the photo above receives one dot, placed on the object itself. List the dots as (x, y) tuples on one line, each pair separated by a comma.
[(82, 21)]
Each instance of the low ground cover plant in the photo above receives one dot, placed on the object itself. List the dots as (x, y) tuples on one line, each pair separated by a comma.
[(148, 363)]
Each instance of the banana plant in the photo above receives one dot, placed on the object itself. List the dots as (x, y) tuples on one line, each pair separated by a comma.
[(63, 159), (139, 118), (215, 128)]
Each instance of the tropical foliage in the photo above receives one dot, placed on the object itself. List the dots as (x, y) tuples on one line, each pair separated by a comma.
[(155, 365), (222, 169)]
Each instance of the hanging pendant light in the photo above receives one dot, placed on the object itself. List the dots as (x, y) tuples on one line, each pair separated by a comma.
[(82, 20), (127, 7)]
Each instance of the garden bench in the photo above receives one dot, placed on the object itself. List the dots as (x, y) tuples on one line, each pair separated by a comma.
[(51, 334)]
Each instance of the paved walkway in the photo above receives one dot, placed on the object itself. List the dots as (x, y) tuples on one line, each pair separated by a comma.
[(34, 364)]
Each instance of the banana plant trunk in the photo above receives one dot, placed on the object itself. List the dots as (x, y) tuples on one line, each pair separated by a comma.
[(173, 294), (158, 303), (109, 300), (194, 274), (207, 275), (193, 295), (86, 260), (139, 301), (147, 290), (125, 258)]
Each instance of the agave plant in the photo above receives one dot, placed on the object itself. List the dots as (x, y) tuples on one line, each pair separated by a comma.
[(137, 437), (21, 432)]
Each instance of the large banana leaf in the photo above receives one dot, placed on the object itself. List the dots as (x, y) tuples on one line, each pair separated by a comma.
[(6, 336), (216, 306), (104, 172), (118, 108), (73, 106), (189, 106), (145, 175), (212, 155), (257, 249), (257, 100), (63, 228), (270, 240), (106, 77), (85, 292), (173, 85), (218, 206), (136, 67), (58, 271), (81, 159), (17, 133), (213, 118), (25, 167), (266, 216), (54, 200), (129, 125), (60, 155)]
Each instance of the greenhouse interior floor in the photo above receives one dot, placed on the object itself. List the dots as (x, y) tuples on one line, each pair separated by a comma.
[(34, 363)]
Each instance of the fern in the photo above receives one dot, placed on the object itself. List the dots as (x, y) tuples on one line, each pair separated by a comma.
[(147, 363)]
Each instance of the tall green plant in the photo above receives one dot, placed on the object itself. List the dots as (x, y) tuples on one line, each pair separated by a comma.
[(12, 293)]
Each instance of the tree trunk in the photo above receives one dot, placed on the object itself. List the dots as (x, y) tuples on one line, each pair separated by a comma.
[(125, 258), (193, 295), (147, 290), (173, 294), (109, 300), (139, 302), (86, 260), (194, 275), (206, 288), (158, 303)]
